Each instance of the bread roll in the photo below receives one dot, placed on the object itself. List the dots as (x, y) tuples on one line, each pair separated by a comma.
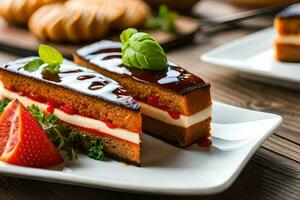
[(19, 11)]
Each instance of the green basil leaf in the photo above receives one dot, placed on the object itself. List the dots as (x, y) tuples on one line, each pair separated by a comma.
[(33, 65), (141, 50), (125, 35), (53, 69), (50, 55)]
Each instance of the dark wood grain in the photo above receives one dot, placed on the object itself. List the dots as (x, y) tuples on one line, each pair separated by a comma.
[(267, 176), (272, 173)]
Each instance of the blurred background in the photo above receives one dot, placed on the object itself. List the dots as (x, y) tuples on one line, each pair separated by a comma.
[(70, 24)]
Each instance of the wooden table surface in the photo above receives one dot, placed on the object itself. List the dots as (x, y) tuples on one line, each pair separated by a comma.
[(272, 173)]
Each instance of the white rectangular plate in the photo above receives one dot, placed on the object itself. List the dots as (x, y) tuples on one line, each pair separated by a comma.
[(254, 55), (237, 133)]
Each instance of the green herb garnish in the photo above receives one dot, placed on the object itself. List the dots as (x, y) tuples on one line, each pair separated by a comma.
[(165, 20), (50, 55), (95, 150), (3, 103), (67, 139), (55, 132), (47, 55), (63, 137), (90, 146), (141, 50), (33, 65)]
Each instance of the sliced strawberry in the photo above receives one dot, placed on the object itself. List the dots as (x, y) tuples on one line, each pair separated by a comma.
[(27, 143), (5, 123)]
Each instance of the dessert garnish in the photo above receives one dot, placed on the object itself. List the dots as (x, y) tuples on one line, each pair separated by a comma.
[(165, 20), (23, 141), (140, 50), (49, 57), (66, 139), (3, 103), (63, 137)]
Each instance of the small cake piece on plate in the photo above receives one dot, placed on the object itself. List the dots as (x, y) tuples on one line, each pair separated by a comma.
[(287, 42), (176, 105), (84, 99)]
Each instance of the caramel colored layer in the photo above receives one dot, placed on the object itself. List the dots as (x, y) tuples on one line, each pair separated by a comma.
[(287, 52), (181, 137), (287, 26)]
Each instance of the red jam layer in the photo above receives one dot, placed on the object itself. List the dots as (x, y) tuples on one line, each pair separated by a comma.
[(205, 143), (153, 100), (53, 104)]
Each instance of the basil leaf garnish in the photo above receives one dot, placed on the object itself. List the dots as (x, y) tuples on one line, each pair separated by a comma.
[(53, 69), (141, 50), (50, 55), (33, 65), (47, 55)]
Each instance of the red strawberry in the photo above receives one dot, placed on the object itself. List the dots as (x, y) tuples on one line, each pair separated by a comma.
[(5, 123), (26, 143)]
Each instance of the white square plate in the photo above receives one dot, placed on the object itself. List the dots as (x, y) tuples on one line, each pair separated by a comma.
[(237, 133), (254, 55)]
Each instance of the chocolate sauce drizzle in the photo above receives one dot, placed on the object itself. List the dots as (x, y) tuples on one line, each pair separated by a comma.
[(107, 55), (96, 85), (79, 79), (85, 77)]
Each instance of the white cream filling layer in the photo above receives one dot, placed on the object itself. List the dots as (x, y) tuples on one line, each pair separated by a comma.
[(76, 120), (288, 39), (183, 121)]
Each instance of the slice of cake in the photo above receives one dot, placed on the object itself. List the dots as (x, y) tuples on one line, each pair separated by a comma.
[(176, 105), (83, 99), (287, 42)]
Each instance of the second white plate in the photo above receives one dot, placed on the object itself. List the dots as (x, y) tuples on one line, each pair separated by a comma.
[(254, 55)]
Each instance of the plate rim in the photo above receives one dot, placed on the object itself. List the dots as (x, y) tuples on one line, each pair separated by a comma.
[(237, 65)]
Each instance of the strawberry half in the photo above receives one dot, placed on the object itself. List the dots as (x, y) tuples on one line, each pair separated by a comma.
[(23, 141)]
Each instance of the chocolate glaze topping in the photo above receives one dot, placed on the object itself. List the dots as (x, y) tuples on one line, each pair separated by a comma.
[(107, 55), (79, 79), (290, 12)]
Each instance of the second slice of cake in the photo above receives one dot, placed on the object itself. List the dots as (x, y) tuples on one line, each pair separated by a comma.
[(287, 42), (176, 105)]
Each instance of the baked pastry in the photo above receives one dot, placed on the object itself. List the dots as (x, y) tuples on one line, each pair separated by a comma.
[(287, 42), (19, 11), (136, 14), (176, 105), (111, 10), (83, 99), (86, 20), (68, 22)]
